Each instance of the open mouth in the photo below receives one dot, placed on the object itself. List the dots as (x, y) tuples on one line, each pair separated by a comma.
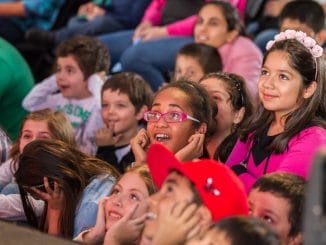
[(115, 215), (161, 137)]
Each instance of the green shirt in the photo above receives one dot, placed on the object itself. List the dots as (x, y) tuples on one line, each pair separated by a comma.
[(16, 80)]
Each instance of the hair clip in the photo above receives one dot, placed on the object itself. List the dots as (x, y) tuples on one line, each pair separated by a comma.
[(242, 100), (209, 187)]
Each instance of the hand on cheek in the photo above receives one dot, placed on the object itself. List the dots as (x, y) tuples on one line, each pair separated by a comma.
[(176, 223), (127, 230), (194, 148), (139, 145)]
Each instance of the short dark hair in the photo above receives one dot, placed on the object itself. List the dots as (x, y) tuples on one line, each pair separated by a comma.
[(91, 55), (133, 85), (290, 187), (308, 12), (208, 57), (247, 230)]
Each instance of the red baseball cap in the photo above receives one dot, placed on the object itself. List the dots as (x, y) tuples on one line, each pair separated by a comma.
[(220, 189)]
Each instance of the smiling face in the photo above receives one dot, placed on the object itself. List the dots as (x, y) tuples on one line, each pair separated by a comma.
[(272, 209), (127, 192), (176, 188), (70, 79), (118, 113), (173, 135), (279, 85), (33, 130), (188, 67), (211, 27)]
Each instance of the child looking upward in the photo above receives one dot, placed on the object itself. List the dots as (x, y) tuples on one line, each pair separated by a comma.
[(125, 98), (278, 200), (80, 62), (289, 126)]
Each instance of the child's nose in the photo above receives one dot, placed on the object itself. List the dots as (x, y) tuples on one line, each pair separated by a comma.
[(161, 122)]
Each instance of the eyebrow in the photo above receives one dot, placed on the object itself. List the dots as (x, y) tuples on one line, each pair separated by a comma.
[(42, 132), (170, 105), (171, 181)]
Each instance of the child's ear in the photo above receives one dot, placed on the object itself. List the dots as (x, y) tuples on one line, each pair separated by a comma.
[(310, 90), (321, 37), (205, 214), (140, 113), (202, 129), (298, 239), (238, 115), (231, 35)]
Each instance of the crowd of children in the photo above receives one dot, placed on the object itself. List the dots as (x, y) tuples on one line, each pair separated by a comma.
[(200, 138)]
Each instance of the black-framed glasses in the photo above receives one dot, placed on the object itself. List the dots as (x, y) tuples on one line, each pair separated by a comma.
[(169, 117)]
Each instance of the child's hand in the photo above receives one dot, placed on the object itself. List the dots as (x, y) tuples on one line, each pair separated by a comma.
[(54, 197), (139, 145), (153, 33), (176, 222), (105, 137), (97, 233), (126, 230), (140, 29), (86, 8), (194, 148)]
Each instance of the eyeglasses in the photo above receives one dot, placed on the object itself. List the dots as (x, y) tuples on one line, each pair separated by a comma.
[(169, 117)]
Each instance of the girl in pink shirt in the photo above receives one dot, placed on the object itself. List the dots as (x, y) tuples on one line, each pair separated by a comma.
[(289, 126)]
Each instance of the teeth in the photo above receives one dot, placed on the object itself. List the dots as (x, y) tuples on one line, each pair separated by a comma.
[(161, 137), (115, 215)]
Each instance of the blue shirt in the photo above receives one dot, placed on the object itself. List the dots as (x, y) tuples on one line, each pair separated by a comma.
[(86, 212), (39, 13)]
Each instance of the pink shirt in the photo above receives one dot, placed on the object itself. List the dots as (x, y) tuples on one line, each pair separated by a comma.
[(183, 27), (297, 159), (244, 58)]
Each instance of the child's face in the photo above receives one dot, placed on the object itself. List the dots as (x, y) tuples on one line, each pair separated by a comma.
[(211, 27), (128, 191), (118, 113), (70, 79), (33, 130), (187, 67), (173, 135), (176, 188), (226, 115), (272, 209), (292, 24), (279, 85), (211, 236)]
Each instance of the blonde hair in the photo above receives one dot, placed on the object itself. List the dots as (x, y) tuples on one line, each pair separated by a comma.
[(145, 175), (58, 125)]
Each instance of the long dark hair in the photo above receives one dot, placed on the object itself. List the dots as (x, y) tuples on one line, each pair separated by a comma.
[(311, 112), (60, 162), (239, 98)]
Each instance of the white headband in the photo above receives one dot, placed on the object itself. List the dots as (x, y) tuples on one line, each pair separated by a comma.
[(308, 42)]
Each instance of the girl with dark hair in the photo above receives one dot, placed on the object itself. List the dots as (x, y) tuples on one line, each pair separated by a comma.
[(289, 126), (70, 182), (181, 117), (235, 107)]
